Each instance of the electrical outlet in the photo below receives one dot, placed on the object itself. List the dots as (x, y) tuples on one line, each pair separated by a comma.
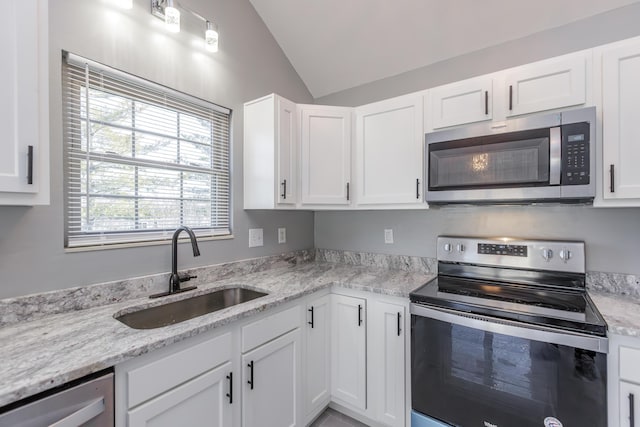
[(388, 236), (255, 237), (282, 235)]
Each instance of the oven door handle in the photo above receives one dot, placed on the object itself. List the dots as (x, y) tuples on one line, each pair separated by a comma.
[(515, 329)]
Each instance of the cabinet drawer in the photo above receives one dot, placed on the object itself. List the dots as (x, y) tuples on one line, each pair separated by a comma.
[(630, 364), (157, 377), (262, 331)]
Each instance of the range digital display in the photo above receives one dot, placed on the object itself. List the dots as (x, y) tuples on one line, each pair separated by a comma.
[(502, 249)]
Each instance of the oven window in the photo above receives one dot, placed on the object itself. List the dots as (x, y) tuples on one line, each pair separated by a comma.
[(469, 377)]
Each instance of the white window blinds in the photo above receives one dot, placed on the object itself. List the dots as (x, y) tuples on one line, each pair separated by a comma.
[(140, 159)]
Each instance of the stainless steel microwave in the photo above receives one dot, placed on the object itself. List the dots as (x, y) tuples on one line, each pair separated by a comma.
[(543, 158)]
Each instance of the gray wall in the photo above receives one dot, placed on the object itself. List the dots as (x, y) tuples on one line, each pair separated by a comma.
[(611, 26), (250, 64), (612, 235)]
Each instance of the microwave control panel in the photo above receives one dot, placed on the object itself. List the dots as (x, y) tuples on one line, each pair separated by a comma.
[(575, 154)]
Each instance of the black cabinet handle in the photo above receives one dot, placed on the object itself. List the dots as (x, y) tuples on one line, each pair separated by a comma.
[(359, 314), (510, 97), (250, 382), (632, 417), (311, 323), (399, 329), (612, 174), (347, 191), (486, 102), (230, 394), (284, 189), (417, 188), (30, 164)]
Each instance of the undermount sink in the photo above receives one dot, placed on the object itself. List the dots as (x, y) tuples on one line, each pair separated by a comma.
[(179, 311)]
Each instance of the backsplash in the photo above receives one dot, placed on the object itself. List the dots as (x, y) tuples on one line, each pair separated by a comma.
[(614, 283), (392, 262), (32, 307)]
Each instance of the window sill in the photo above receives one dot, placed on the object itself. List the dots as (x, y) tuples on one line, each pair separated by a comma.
[(141, 244)]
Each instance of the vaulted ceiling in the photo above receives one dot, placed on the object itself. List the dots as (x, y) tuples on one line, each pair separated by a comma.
[(339, 44)]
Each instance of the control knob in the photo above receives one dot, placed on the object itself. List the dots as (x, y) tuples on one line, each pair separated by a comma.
[(565, 255), (547, 254), (460, 247), (447, 247)]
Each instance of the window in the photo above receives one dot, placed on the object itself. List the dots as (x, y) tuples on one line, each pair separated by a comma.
[(140, 159)]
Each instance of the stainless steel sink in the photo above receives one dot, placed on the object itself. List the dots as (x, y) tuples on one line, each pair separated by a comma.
[(179, 311)]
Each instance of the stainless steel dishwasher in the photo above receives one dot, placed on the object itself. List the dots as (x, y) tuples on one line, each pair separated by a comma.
[(86, 402)]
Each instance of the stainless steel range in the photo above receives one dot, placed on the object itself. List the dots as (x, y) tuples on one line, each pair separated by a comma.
[(506, 335)]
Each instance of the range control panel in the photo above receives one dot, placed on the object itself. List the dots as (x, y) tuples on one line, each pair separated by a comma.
[(550, 255), (502, 249)]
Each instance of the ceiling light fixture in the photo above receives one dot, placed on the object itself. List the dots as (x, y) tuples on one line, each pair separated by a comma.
[(211, 37), (172, 17)]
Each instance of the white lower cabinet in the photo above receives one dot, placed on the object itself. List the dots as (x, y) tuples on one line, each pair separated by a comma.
[(270, 383), (387, 357), (202, 401), (349, 351), (629, 404), (317, 357)]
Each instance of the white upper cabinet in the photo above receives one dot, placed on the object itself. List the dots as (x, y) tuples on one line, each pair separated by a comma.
[(24, 116), (270, 153), (389, 140), (325, 152), (462, 102), (620, 119), (546, 85)]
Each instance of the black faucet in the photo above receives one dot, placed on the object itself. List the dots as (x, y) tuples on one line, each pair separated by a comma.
[(176, 278)]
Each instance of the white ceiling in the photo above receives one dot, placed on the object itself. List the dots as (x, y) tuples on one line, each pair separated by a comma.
[(338, 44)]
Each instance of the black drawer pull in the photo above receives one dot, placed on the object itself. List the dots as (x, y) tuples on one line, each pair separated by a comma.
[(417, 188), (250, 382), (230, 394), (486, 102), (347, 191), (311, 311), (284, 189), (30, 164), (612, 174), (399, 329), (359, 314), (510, 97), (632, 417)]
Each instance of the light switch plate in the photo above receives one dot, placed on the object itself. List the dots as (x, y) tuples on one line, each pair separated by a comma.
[(282, 235), (388, 236), (255, 237)]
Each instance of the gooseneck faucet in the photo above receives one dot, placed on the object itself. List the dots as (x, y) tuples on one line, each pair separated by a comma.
[(176, 278)]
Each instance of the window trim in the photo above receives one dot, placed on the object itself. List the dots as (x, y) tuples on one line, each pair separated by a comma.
[(134, 238)]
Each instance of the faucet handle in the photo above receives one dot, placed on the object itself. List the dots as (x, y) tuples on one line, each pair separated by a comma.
[(185, 277)]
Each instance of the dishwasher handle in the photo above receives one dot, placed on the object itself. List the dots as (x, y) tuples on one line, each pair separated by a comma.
[(82, 415)]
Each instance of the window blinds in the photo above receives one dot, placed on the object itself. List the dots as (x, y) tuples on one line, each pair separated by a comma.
[(140, 159)]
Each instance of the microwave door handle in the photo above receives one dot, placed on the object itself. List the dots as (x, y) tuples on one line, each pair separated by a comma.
[(555, 155), (83, 415)]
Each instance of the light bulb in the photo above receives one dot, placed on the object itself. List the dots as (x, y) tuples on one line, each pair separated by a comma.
[(172, 17), (211, 37)]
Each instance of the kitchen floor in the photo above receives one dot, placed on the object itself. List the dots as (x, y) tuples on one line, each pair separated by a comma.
[(331, 418)]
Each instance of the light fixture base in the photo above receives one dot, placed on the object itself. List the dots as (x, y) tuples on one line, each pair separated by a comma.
[(157, 8)]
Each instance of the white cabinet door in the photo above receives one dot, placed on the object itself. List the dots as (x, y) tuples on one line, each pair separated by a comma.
[(387, 361), (389, 140), (325, 155), (620, 119), (629, 397), (545, 85), (348, 351), (24, 163), (459, 103), (201, 401), (270, 383), (317, 365), (286, 142), (270, 153)]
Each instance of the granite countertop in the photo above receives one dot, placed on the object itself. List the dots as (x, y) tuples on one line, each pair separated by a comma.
[(41, 354), (621, 312)]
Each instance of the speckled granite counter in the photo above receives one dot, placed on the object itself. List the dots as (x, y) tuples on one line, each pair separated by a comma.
[(40, 354), (621, 312)]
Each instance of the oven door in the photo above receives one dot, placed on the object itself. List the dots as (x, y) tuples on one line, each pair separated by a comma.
[(470, 370)]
